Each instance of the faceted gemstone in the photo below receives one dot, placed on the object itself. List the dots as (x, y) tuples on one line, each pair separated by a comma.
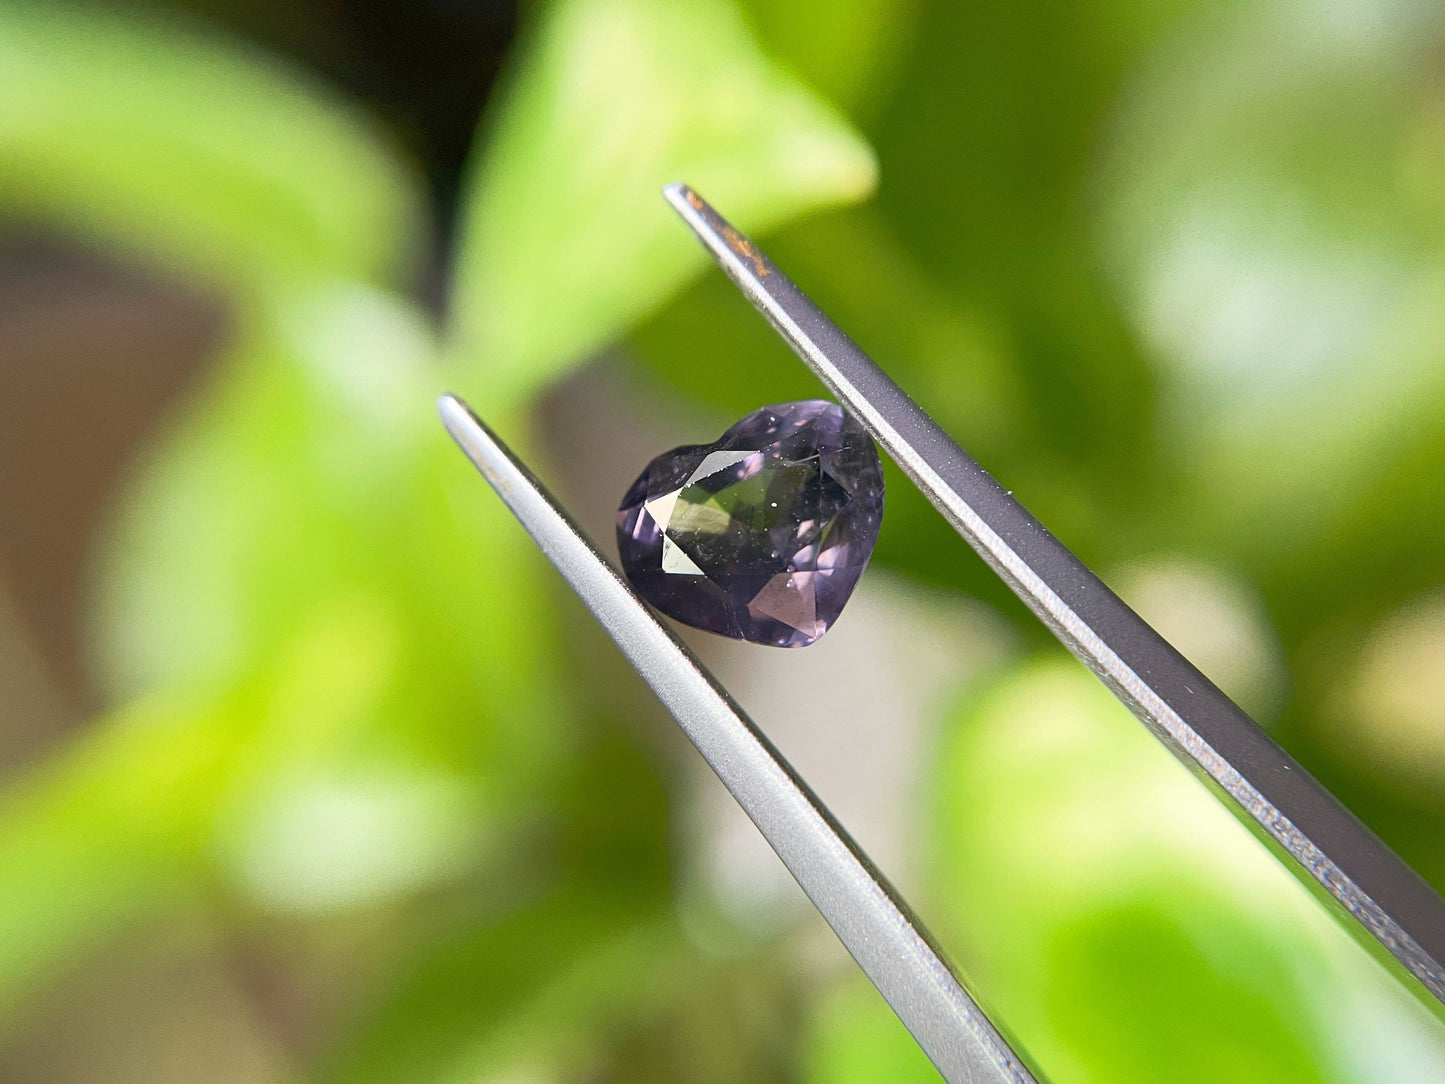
[(763, 534)]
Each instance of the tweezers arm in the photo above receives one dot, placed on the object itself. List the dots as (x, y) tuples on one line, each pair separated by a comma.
[(1336, 855), (857, 902)]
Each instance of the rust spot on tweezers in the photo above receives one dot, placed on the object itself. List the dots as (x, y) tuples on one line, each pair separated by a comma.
[(742, 246)]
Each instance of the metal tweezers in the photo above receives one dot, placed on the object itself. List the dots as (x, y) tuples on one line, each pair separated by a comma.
[(1376, 894)]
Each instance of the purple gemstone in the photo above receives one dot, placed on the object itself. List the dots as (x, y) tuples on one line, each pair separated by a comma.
[(762, 534)]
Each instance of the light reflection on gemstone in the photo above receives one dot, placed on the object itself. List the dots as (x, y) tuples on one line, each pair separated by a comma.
[(763, 534)]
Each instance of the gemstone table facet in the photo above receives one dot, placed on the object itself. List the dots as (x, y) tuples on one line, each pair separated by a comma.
[(763, 534)]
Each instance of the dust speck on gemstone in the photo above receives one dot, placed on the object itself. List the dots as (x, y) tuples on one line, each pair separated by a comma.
[(763, 534)]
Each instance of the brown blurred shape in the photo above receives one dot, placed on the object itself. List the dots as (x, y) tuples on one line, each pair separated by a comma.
[(91, 354)]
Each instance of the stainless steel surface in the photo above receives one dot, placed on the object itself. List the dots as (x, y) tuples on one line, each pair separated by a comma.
[(863, 909), (1202, 726)]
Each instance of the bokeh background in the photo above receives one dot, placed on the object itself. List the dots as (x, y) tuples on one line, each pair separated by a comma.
[(314, 772)]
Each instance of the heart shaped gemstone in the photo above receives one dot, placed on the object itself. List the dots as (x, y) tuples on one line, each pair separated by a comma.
[(763, 534)]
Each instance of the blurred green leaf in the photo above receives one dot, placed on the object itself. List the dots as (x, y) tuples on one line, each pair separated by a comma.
[(593, 977), (1277, 240), (526, 996), (848, 50), (566, 238), (349, 626), (854, 1038), (990, 145), (312, 782), (107, 834), (539, 986), (177, 143), (1121, 919), (310, 491)]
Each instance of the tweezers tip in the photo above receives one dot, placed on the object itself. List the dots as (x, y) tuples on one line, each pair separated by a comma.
[(686, 202), (459, 421), (451, 409), (738, 256)]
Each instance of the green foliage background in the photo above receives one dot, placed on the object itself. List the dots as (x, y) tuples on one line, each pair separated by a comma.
[(1173, 271)]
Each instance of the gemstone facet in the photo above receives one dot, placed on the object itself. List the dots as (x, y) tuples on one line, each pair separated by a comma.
[(763, 534)]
